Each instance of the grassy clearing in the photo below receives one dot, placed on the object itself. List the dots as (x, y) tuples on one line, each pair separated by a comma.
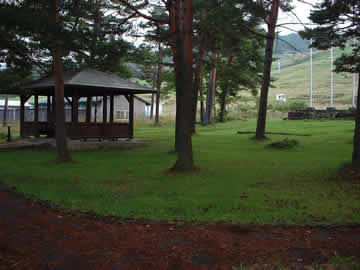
[(239, 180)]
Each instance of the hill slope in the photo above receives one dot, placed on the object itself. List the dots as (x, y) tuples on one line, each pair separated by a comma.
[(294, 80), (287, 43)]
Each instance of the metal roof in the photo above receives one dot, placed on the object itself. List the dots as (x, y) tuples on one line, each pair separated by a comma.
[(88, 81)]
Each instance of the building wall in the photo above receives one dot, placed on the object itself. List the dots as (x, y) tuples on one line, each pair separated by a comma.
[(121, 109)]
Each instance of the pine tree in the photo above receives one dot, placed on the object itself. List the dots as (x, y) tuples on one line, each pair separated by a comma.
[(269, 12), (339, 26)]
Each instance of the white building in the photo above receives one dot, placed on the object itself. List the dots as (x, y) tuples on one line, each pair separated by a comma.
[(280, 97)]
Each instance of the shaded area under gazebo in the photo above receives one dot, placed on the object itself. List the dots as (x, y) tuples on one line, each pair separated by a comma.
[(87, 83)]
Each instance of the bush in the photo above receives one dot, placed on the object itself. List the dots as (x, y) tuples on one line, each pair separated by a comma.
[(3, 136), (287, 107), (284, 144), (280, 107), (297, 105)]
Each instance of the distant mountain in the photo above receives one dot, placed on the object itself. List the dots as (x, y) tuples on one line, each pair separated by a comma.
[(282, 44)]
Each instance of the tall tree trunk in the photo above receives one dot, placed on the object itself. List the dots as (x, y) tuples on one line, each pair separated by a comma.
[(356, 149), (272, 20), (223, 97), (202, 104), (210, 96), (198, 76), (63, 154), (5, 110), (224, 94), (184, 91), (158, 84), (174, 7)]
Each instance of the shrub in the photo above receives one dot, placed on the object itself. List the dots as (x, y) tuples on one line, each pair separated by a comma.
[(284, 144), (297, 105)]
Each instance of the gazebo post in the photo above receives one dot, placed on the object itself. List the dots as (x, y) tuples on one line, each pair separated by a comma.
[(22, 115), (104, 109), (48, 108), (36, 116), (112, 108), (75, 108), (95, 110), (53, 115), (131, 116), (88, 109)]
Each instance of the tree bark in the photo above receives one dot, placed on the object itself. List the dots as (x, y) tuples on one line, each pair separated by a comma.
[(178, 55), (184, 91), (224, 94), (5, 110), (356, 149), (198, 79), (202, 104), (210, 96), (63, 154), (272, 20)]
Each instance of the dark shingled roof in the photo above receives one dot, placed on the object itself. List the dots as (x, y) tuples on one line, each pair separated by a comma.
[(88, 81)]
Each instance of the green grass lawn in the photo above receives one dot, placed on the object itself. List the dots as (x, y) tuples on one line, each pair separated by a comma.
[(239, 180)]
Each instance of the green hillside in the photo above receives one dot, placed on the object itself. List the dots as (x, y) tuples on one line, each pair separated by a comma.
[(294, 80)]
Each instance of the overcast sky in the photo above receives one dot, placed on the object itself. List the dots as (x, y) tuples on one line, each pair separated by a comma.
[(301, 10)]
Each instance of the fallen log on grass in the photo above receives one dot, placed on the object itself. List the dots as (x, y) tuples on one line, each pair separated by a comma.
[(276, 133)]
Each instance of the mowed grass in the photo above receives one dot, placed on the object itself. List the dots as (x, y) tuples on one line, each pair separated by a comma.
[(238, 180)]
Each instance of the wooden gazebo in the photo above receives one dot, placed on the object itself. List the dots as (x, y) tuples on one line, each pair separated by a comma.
[(87, 83)]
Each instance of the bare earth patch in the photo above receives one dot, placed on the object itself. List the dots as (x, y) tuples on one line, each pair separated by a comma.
[(34, 236)]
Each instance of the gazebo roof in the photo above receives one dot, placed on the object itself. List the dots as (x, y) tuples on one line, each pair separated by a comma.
[(87, 82)]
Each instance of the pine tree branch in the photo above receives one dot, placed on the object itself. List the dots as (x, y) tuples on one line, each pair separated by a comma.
[(20, 52), (150, 18), (307, 3)]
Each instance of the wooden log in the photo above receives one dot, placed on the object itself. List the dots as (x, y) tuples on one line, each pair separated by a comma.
[(275, 133)]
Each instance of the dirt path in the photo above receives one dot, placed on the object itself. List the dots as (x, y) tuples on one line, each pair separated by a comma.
[(36, 237)]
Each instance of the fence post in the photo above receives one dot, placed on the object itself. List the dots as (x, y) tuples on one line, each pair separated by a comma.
[(9, 134)]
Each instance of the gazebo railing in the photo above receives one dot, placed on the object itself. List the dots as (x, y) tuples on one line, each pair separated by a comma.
[(80, 130)]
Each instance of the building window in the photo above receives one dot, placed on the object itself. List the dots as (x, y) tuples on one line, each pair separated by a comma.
[(121, 115)]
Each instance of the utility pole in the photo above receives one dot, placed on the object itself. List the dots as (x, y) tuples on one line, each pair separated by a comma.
[(332, 74), (332, 77), (279, 66)]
